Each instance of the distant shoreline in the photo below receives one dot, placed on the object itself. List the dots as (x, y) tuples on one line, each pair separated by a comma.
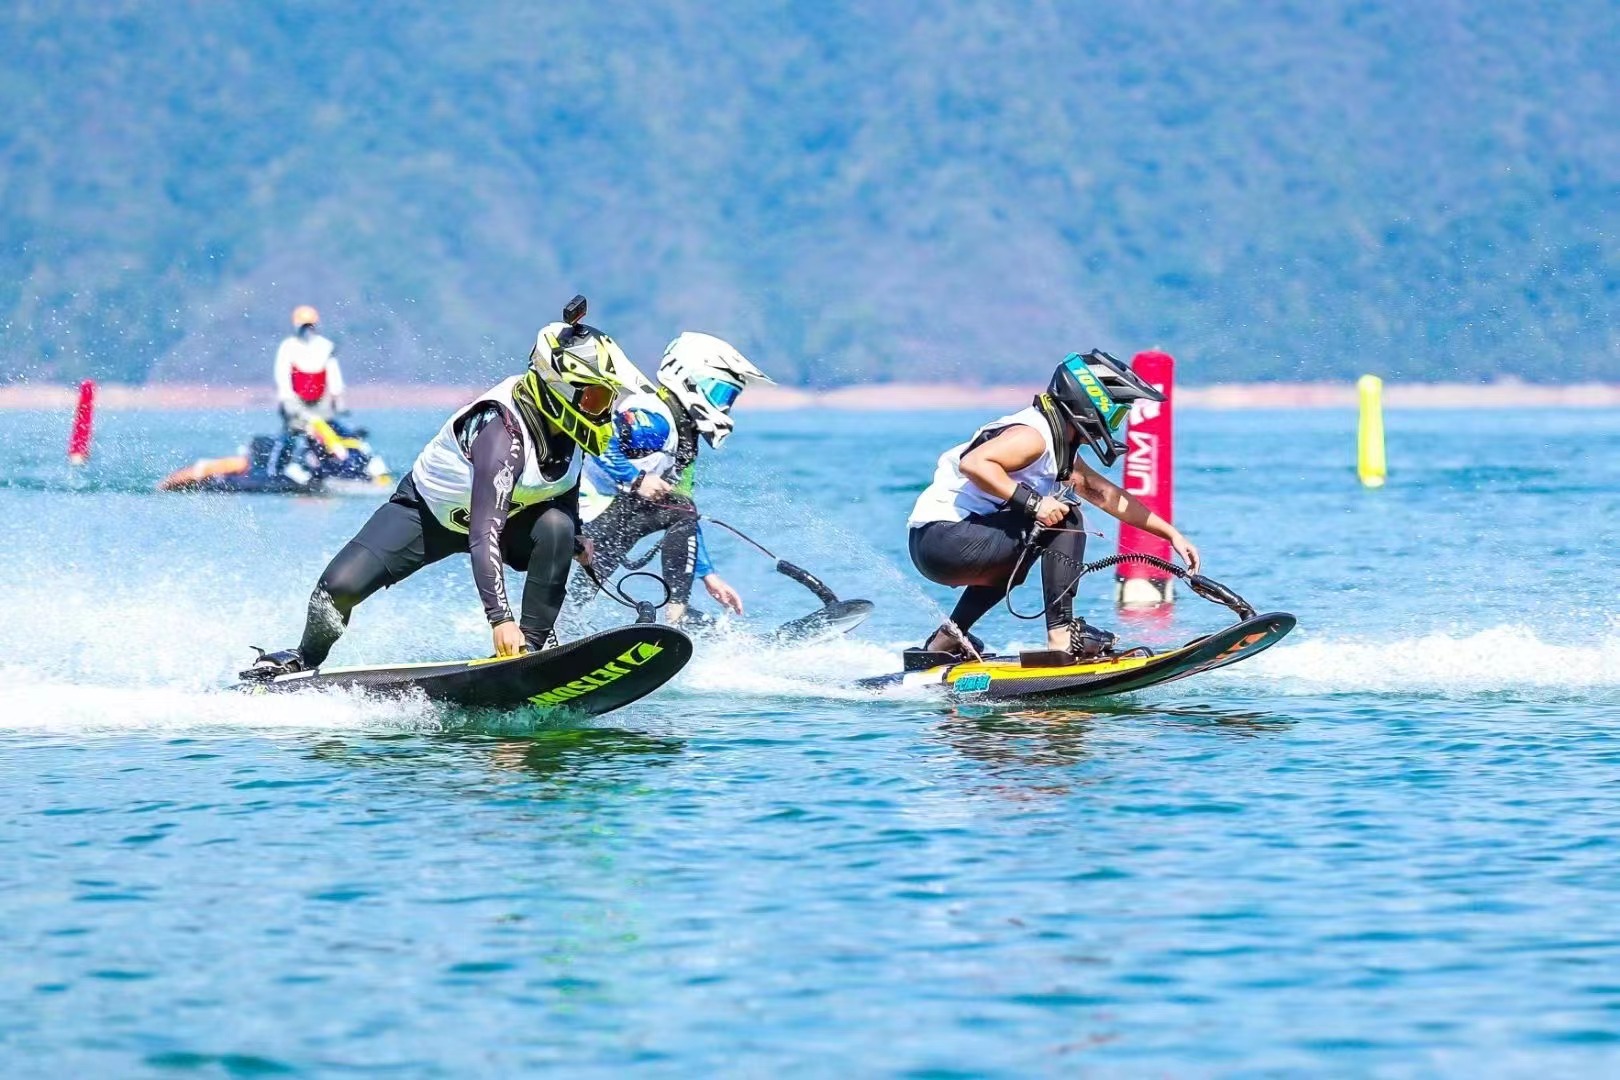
[(867, 397)]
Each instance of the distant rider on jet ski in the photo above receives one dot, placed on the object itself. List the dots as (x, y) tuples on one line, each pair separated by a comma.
[(309, 382), (1000, 492), (642, 484), (500, 481), (309, 392)]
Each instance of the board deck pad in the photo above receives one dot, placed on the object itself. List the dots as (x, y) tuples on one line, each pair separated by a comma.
[(1002, 678), (593, 675)]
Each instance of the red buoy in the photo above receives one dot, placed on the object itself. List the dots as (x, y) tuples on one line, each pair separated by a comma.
[(1149, 476), (79, 440)]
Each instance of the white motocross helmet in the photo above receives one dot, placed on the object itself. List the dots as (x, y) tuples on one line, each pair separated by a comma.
[(705, 374)]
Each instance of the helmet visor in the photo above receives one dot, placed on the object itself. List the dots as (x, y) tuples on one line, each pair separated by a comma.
[(595, 401), (1113, 412), (720, 393)]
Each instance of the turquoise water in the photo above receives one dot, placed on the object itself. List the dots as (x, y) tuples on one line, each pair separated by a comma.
[(1385, 847)]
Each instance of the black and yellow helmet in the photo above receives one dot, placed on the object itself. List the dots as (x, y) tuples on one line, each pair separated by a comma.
[(575, 374), (1091, 396)]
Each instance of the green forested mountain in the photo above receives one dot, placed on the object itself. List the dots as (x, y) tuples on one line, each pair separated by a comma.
[(849, 190)]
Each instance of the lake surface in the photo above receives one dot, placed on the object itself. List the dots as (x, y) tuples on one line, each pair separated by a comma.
[(1387, 846)]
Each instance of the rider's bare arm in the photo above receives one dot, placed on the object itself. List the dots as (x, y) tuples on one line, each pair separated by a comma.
[(989, 464), (1114, 500)]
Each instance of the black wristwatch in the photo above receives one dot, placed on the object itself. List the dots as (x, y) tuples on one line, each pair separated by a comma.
[(1024, 499)]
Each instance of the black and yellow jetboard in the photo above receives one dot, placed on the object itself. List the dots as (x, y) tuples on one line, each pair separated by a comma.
[(593, 675), (1005, 678)]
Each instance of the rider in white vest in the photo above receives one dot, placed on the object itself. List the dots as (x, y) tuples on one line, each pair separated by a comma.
[(500, 481), (997, 506), (309, 382)]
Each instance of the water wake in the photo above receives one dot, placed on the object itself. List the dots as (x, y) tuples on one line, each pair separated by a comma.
[(1502, 659), (81, 674), (46, 706), (733, 661)]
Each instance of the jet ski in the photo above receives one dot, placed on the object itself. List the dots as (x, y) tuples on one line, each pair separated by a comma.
[(331, 458)]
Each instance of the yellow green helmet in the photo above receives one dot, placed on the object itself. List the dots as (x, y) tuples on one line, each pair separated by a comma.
[(575, 374)]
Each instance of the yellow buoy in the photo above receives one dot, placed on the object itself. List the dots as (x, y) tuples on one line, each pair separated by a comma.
[(1370, 436)]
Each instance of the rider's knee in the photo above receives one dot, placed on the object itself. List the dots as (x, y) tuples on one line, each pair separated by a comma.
[(350, 577), (553, 531), (1071, 537)]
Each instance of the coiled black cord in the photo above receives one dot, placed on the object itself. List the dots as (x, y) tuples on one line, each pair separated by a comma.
[(646, 611), (1208, 588)]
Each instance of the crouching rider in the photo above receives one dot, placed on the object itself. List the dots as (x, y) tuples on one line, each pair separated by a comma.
[(499, 482), (643, 483), (997, 505)]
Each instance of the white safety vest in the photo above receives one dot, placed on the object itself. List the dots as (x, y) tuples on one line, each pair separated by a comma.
[(308, 378), (443, 474), (953, 497), (597, 489)]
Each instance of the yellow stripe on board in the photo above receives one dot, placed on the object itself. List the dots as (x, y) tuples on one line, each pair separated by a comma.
[(1002, 670), (482, 660), (422, 664)]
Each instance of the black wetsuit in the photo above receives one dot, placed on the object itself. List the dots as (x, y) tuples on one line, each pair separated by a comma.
[(984, 551), (403, 536), (631, 519)]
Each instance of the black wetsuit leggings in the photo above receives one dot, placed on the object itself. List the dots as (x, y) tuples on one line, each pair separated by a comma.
[(982, 553), (403, 536), (629, 520)]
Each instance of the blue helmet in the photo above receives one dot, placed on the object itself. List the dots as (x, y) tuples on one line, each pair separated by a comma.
[(641, 431)]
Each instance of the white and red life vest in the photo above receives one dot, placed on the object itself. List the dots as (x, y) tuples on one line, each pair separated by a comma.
[(308, 379)]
